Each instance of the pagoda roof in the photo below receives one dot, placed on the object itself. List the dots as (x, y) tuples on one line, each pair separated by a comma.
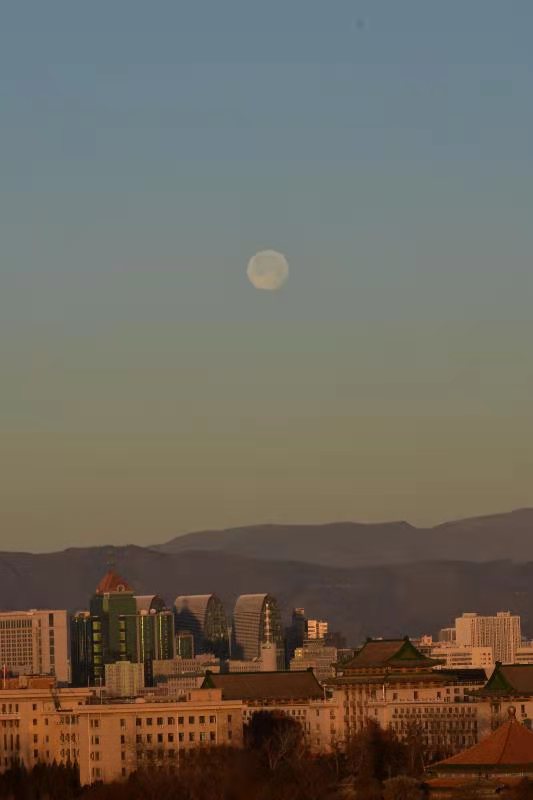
[(112, 583), (510, 680), (508, 747), (390, 654)]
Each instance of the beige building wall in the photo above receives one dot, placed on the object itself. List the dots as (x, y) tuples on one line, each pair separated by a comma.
[(457, 656), (448, 718), (116, 739), (124, 679), (39, 725), (321, 721), (111, 740)]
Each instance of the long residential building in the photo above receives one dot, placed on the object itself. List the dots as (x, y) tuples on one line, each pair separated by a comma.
[(109, 741)]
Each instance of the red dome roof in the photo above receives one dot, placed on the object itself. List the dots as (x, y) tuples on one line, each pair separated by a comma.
[(112, 583)]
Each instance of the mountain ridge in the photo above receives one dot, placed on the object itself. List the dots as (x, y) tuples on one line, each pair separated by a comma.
[(482, 538)]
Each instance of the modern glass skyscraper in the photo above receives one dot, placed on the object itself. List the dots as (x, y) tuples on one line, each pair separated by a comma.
[(119, 627), (257, 622), (203, 616)]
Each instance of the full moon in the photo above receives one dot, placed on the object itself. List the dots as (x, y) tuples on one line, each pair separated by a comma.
[(268, 270)]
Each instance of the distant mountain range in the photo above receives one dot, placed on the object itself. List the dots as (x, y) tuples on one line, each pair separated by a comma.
[(355, 544), (389, 580)]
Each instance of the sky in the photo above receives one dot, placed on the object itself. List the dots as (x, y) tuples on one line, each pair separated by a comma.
[(148, 150)]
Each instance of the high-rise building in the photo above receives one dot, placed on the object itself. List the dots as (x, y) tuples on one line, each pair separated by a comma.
[(119, 627), (501, 632), (203, 616), (257, 622), (35, 643), (113, 610), (154, 633), (82, 649), (295, 633)]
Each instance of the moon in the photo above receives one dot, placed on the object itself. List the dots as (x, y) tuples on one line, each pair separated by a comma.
[(268, 270)]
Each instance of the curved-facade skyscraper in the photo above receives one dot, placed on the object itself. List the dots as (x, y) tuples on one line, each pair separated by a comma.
[(203, 616), (256, 624)]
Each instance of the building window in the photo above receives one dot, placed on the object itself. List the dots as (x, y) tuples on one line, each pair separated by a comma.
[(191, 720)]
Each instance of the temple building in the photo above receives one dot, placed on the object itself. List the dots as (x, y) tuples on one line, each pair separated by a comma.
[(391, 682), (497, 763)]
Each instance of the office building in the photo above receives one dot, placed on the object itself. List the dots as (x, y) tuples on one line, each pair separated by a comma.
[(154, 633), (35, 642), (257, 622), (204, 617), (317, 656), (119, 627)]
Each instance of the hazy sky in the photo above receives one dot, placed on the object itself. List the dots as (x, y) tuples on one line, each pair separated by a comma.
[(148, 149)]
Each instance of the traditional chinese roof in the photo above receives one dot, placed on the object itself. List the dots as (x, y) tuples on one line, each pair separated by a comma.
[(388, 654), (509, 747), (112, 583), (510, 680), (262, 686)]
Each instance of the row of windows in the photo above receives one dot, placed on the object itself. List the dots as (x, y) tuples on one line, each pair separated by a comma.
[(161, 721)]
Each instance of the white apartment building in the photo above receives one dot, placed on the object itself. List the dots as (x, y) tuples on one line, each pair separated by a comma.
[(124, 679), (35, 643), (500, 632)]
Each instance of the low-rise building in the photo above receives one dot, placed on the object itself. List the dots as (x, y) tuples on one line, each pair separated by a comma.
[(294, 694), (110, 740), (315, 655), (495, 764)]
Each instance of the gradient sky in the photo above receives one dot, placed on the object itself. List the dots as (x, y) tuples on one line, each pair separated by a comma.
[(148, 149)]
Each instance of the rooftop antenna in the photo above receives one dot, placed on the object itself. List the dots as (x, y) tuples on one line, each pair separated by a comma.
[(111, 562)]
